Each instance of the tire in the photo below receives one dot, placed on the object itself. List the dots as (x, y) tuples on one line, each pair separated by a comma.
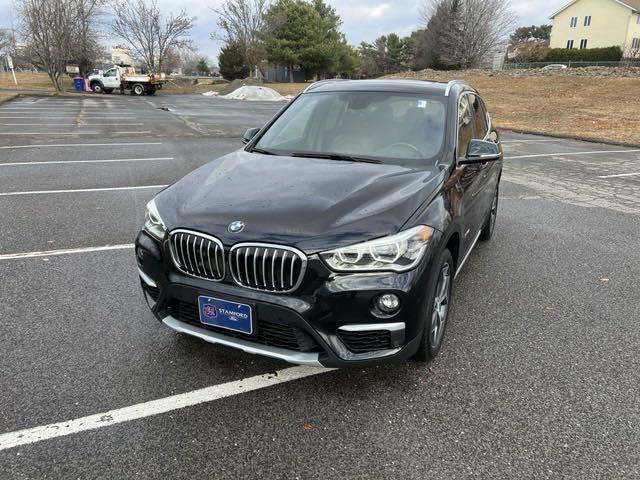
[(97, 87), (137, 89), (490, 225), (436, 306), (108, 90)]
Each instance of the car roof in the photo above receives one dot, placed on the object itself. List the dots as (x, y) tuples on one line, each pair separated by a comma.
[(385, 85)]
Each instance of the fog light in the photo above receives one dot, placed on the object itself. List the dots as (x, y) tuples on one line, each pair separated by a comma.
[(388, 303), (140, 256)]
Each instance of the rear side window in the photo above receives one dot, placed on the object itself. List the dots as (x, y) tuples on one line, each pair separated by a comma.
[(479, 117), (465, 125)]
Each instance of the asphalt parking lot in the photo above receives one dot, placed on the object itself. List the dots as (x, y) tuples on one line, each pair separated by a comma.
[(538, 378)]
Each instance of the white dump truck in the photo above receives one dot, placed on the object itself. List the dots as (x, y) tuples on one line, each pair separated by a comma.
[(125, 78)]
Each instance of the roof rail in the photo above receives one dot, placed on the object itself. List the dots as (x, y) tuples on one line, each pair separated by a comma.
[(451, 84), (322, 82)]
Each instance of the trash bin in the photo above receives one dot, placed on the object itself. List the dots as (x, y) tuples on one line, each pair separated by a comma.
[(78, 83)]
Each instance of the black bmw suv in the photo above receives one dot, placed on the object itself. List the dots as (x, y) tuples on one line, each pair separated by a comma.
[(334, 236)]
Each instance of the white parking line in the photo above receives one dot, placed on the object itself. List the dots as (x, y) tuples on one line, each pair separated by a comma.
[(71, 124), (47, 117), (617, 175), (79, 190), (82, 145), (565, 154), (113, 160), (51, 133), (127, 132), (66, 251), (534, 141), (155, 407)]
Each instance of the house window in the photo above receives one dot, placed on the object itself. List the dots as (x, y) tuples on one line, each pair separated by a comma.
[(635, 44), (583, 43), (569, 44), (638, 20), (574, 22), (587, 21)]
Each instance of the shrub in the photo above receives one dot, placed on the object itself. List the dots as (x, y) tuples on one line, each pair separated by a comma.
[(605, 54)]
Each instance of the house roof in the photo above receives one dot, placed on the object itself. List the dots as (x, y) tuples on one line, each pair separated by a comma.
[(632, 4)]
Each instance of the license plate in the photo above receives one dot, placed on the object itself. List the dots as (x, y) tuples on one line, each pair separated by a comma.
[(225, 314)]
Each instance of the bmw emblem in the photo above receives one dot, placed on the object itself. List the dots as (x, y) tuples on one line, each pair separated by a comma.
[(236, 227)]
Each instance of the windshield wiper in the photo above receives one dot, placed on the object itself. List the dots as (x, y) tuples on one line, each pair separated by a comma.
[(262, 151), (335, 156)]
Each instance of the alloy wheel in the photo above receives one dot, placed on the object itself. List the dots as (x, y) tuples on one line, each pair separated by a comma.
[(440, 305)]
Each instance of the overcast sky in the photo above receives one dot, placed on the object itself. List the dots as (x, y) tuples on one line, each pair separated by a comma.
[(363, 20)]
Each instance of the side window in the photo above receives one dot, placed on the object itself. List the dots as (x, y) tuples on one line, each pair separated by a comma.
[(465, 125), (479, 117), (110, 73)]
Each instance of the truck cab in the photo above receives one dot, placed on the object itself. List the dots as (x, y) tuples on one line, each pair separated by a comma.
[(107, 81)]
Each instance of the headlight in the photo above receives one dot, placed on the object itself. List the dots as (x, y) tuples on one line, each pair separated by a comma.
[(153, 224), (400, 252)]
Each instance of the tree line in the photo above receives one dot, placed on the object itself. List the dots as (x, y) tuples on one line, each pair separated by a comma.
[(305, 35), (297, 34), (58, 33)]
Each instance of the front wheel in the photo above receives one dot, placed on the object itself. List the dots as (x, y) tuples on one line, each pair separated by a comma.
[(436, 306), (137, 89), (97, 87)]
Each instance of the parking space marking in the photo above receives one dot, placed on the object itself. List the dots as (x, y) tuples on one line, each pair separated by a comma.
[(129, 132), (618, 175), (534, 141), (52, 133), (112, 160), (79, 190), (565, 154), (66, 251), (83, 145), (47, 117), (156, 407), (71, 124)]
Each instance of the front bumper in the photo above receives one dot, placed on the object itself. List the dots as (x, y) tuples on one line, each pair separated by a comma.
[(329, 321)]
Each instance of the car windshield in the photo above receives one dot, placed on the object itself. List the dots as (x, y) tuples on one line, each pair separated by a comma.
[(389, 127)]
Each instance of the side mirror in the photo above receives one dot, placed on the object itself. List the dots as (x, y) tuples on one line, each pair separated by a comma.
[(481, 151), (249, 134)]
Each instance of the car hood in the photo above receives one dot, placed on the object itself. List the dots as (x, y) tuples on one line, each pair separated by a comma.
[(311, 204)]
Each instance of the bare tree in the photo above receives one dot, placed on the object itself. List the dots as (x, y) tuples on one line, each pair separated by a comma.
[(242, 23), (59, 32), (141, 25), (6, 41), (468, 31)]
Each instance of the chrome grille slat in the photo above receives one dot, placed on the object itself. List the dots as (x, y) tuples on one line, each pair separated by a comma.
[(204, 267), (191, 253), (284, 257), (271, 268), (182, 249), (209, 258), (264, 269), (255, 268)]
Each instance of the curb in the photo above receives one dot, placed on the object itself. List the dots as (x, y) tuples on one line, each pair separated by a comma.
[(580, 138), (8, 99)]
